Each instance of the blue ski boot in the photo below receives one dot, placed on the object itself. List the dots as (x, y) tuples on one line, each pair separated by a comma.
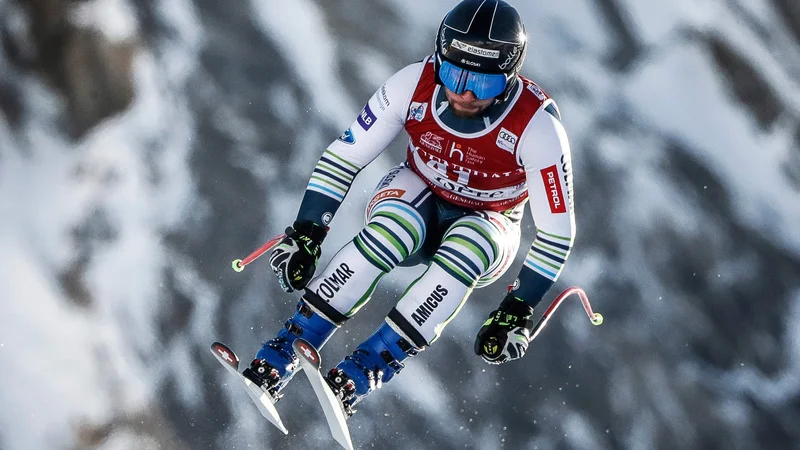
[(373, 363), (275, 363)]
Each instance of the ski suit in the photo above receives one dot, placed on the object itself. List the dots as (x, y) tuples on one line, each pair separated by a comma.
[(455, 203)]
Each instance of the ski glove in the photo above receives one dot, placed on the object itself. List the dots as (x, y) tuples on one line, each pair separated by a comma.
[(506, 333), (294, 259)]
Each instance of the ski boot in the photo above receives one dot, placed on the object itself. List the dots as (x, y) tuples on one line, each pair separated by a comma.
[(276, 363), (344, 388), (372, 364), (271, 367)]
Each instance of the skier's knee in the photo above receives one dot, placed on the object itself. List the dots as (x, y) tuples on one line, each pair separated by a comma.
[(394, 232), (470, 248)]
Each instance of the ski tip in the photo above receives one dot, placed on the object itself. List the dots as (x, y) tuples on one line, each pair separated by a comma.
[(307, 351), (225, 355)]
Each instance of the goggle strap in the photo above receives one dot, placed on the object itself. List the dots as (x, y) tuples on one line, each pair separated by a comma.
[(462, 81)]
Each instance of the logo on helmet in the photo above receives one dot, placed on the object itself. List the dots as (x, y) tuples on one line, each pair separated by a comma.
[(509, 59), (477, 51)]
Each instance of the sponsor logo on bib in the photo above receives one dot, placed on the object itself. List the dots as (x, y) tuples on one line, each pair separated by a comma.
[(417, 111), (431, 141), (537, 91), (507, 140)]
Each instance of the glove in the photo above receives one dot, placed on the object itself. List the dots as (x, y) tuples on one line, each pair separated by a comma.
[(294, 259), (506, 333)]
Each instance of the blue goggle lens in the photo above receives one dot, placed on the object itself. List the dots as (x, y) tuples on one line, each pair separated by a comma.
[(483, 85)]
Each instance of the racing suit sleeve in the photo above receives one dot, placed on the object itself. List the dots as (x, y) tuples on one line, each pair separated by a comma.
[(544, 152), (376, 126)]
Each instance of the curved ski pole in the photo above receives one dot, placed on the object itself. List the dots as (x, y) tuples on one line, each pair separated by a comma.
[(596, 318), (239, 264)]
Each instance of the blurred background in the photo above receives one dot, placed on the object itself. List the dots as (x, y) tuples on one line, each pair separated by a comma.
[(144, 144)]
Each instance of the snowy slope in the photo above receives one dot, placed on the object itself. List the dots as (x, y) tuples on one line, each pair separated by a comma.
[(684, 122)]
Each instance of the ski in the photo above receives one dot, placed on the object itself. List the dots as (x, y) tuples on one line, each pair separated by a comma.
[(263, 400), (337, 419)]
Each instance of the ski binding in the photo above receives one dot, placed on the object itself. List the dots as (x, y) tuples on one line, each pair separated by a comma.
[(263, 400)]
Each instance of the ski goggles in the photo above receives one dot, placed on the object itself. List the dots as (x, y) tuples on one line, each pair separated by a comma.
[(483, 85)]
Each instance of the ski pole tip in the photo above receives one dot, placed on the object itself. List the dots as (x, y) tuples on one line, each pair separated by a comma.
[(237, 265), (597, 319)]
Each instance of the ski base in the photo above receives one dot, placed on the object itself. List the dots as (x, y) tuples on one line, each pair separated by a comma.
[(310, 361), (262, 399)]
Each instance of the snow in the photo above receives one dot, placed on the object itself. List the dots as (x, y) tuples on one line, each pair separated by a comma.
[(313, 58), (113, 18), (76, 357), (688, 102), (90, 356), (49, 361)]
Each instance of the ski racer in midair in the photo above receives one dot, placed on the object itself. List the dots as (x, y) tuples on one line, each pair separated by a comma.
[(482, 142)]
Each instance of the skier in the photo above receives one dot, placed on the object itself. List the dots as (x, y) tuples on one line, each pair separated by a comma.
[(483, 141)]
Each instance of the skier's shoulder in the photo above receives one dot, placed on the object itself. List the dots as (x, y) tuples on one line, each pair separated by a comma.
[(544, 132), (534, 95), (410, 74), (394, 96), (534, 88)]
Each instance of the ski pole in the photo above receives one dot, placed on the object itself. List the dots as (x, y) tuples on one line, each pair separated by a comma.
[(596, 318), (238, 264)]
